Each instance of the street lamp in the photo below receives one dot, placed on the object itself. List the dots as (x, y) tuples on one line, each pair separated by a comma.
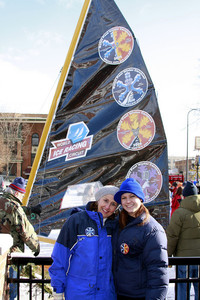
[(187, 139)]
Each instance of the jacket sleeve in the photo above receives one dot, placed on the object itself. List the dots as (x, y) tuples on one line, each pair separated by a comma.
[(61, 255), (26, 230), (173, 232), (156, 261)]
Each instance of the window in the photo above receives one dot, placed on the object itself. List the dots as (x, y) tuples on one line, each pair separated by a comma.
[(35, 139), (32, 158)]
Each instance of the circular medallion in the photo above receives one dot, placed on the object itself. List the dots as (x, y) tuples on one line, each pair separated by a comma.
[(116, 45), (129, 87), (89, 231), (124, 248), (136, 130), (149, 176)]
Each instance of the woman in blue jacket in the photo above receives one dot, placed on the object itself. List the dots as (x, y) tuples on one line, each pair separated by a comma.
[(82, 255), (140, 248)]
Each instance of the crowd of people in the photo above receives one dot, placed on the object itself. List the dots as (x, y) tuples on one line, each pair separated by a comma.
[(114, 249), (183, 232)]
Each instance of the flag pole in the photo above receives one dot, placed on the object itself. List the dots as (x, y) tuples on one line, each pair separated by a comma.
[(55, 100)]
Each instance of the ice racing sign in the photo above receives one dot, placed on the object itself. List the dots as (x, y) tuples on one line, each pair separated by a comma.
[(76, 144)]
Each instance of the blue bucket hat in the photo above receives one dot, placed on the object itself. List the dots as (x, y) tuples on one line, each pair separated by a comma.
[(130, 185)]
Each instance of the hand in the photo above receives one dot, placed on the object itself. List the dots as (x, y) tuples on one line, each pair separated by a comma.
[(38, 251), (36, 209), (58, 296)]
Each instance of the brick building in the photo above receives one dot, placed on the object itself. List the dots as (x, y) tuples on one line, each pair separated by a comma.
[(20, 135)]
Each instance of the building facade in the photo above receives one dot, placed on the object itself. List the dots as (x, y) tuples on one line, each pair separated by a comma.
[(20, 135)]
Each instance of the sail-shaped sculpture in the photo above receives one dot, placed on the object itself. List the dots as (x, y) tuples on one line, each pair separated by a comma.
[(106, 126)]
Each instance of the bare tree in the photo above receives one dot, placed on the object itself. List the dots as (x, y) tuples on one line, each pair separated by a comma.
[(12, 131)]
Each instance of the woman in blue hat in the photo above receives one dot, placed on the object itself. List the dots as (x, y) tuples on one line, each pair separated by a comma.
[(140, 248)]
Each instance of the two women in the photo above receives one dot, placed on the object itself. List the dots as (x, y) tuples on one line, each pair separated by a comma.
[(82, 255), (140, 248)]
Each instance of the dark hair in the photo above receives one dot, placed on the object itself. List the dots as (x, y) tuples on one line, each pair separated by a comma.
[(94, 206), (179, 190), (123, 218)]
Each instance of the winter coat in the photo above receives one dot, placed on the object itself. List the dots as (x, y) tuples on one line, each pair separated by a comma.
[(14, 221), (175, 203), (82, 258), (141, 260), (183, 231)]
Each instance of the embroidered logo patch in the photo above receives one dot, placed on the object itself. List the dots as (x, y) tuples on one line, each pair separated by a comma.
[(89, 231), (124, 248)]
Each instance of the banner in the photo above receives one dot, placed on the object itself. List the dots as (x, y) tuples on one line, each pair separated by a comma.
[(107, 124)]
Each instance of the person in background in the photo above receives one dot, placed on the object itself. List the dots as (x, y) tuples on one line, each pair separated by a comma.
[(13, 219), (82, 254), (176, 199), (174, 188), (140, 263), (183, 235)]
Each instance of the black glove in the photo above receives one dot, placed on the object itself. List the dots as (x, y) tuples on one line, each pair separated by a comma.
[(36, 209), (38, 251)]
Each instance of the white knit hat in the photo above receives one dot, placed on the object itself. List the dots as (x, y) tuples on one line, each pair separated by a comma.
[(106, 190)]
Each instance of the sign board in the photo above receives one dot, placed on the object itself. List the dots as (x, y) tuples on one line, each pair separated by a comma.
[(197, 143)]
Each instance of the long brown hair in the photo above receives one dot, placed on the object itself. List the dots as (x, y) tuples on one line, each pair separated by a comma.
[(123, 218)]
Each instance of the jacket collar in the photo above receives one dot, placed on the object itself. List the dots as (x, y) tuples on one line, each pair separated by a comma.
[(11, 197)]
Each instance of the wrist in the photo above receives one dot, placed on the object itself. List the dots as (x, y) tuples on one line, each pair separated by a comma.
[(57, 296)]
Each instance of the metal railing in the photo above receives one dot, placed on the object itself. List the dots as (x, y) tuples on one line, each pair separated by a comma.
[(29, 278), (18, 262), (187, 261)]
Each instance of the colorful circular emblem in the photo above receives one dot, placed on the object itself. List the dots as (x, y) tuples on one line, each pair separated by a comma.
[(116, 45), (129, 87), (124, 248), (89, 231), (136, 130), (149, 176)]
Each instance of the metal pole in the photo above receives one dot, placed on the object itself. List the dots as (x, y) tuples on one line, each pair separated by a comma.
[(187, 168)]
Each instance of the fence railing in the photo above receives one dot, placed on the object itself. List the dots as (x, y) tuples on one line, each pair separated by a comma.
[(187, 261), (29, 276), (45, 262)]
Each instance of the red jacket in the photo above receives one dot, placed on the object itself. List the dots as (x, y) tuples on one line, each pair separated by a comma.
[(175, 203)]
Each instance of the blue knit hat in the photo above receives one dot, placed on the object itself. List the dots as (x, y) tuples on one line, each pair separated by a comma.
[(130, 185), (18, 185), (189, 189)]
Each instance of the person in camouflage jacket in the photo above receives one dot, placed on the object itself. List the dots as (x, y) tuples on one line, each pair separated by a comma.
[(13, 219)]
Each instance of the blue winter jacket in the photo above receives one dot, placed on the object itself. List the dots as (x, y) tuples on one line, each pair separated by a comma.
[(141, 260), (82, 258)]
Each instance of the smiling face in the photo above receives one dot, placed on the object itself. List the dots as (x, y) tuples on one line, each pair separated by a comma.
[(131, 203), (107, 205)]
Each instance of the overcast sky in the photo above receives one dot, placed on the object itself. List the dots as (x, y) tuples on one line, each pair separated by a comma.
[(35, 36)]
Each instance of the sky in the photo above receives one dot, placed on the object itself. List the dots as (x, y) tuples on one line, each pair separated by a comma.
[(35, 36)]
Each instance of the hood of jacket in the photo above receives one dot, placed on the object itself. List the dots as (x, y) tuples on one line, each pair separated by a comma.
[(191, 203)]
